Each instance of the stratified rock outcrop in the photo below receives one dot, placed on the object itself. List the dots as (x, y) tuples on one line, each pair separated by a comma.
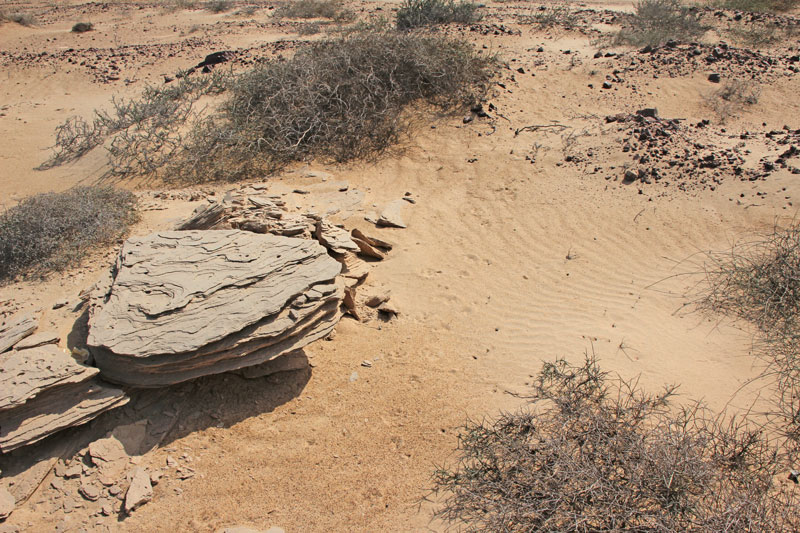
[(183, 304), (44, 390)]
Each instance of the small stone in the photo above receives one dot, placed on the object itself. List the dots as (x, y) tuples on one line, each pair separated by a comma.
[(7, 503), (107, 509), (74, 470), (89, 491), (630, 176), (155, 477), (140, 491), (61, 303), (392, 215), (607, 85), (714, 77), (366, 363)]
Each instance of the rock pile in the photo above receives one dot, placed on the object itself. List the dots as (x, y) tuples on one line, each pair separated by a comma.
[(183, 304), (44, 390)]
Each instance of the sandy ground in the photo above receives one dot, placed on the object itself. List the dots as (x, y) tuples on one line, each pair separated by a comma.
[(505, 263)]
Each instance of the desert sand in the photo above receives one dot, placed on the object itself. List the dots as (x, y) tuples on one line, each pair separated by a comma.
[(514, 254)]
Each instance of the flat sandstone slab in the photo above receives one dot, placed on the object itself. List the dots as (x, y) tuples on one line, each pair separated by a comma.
[(24, 374), (15, 329), (184, 304)]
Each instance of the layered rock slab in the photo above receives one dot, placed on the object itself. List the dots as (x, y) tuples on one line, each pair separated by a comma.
[(183, 304), (44, 390)]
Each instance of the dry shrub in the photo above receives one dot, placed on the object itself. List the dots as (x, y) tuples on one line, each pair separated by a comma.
[(773, 6), (309, 28), (658, 21), (340, 99), (760, 282), (145, 131), (219, 6), (53, 231), (82, 27), (552, 15), (592, 453), (23, 19), (417, 13), (313, 9), (732, 97), (171, 6)]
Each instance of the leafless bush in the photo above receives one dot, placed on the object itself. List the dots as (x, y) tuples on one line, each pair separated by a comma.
[(175, 5), (312, 9), (340, 99), (159, 111), (23, 19), (247, 11), (53, 231), (552, 15), (310, 28), (658, 21), (760, 282), (218, 6), (416, 13), (728, 100), (591, 453), (82, 27), (758, 5)]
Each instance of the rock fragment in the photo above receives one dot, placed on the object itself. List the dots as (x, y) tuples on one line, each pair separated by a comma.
[(296, 360), (7, 502), (16, 328), (392, 215), (44, 390), (140, 491), (38, 339)]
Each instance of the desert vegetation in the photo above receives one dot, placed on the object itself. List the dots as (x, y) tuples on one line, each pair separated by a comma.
[(774, 6), (23, 19), (728, 100), (219, 6), (53, 231), (311, 9), (591, 452), (548, 16), (759, 282), (417, 13), (340, 99), (82, 27), (658, 21)]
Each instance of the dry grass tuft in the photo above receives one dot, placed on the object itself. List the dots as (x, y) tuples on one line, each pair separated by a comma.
[(53, 231), (770, 6), (592, 453), (417, 13), (219, 6), (23, 19), (657, 21), (732, 97), (313, 9), (553, 15)]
